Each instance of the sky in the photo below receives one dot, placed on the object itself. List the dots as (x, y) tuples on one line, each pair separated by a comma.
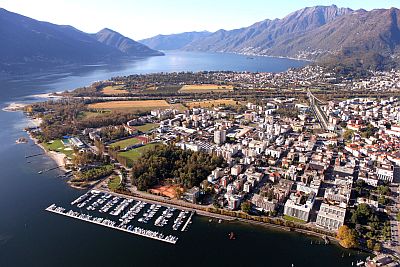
[(139, 19)]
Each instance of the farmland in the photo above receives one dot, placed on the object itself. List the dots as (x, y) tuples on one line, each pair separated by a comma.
[(131, 106), (206, 88), (212, 103), (114, 90)]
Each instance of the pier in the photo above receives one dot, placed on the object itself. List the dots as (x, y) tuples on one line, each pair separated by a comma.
[(188, 221), (34, 155), (47, 170), (110, 224)]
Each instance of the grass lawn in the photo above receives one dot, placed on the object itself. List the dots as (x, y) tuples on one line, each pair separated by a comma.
[(134, 154), (292, 219), (146, 127), (114, 182), (58, 146), (125, 143)]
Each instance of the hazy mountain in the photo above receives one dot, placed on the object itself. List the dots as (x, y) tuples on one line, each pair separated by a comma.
[(124, 44), (173, 41), (25, 41)]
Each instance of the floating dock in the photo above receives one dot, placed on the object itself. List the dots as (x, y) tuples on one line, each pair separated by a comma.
[(188, 221), (108, 223)]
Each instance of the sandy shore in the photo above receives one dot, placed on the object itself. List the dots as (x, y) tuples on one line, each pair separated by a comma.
[(56, 156), (12, 107)]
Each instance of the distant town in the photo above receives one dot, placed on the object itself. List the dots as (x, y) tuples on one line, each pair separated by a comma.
[(310, 150)]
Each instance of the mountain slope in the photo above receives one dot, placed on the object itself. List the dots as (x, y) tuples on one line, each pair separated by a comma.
[(327, 34), (261, 36), (28, 41), (173, 41), (124, 44)]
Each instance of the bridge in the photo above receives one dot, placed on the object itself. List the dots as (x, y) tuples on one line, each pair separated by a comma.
[(316, 109)]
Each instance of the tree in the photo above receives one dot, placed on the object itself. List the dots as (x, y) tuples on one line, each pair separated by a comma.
[(370, 244), (348, 134), (246, 206), (347, 237), (377, 247)]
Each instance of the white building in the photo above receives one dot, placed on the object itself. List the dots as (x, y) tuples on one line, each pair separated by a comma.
[(330, 217), (219, 137), (299, 206)]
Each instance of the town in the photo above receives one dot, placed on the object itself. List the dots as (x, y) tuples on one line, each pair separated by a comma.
[(330, 167)]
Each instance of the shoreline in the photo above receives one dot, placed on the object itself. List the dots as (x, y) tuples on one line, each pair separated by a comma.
[(155, 200), (55, 156)]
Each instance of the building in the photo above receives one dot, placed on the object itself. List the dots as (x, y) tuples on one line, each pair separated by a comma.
[(76, 142), (234, 201), (299, 206), (330, 217), (386, 172), (236, 170), (192, 194), (263, 203), (219, 137)]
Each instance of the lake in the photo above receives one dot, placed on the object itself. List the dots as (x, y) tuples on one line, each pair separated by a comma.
[(30, 236)]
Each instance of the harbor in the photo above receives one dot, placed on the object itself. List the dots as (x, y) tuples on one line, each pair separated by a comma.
[(126, 214)]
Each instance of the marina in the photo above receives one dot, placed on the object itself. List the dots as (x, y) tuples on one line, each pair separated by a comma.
[(125, 214), (111, 224)]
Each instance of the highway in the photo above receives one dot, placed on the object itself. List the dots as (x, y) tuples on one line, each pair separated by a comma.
[(319, 114)]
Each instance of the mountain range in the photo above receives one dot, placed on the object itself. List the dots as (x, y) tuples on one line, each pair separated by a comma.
[(322, 33), (326, 34), (174, 41), (25, 41)]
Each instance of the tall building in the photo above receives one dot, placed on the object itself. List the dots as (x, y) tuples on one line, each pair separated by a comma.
[(219, 137)]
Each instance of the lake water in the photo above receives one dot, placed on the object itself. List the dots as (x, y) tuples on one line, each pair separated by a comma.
[(29, 236)]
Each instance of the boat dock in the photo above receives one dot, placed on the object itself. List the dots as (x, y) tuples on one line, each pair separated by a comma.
[(188, 222), (108, 223)]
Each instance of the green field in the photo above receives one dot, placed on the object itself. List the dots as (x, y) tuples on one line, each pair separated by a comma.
[(134, 154), (146, 127), (58, 146), (125, 143), (292, 219), (92, 114), (114, 183)]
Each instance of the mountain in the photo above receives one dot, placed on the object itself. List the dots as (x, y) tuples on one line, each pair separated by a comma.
[(320, 33), (25, 41), (263, 37), (174, 41), (124, 44)]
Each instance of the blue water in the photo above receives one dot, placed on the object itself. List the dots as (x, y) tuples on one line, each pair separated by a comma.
[(29, 236), (174, 61)]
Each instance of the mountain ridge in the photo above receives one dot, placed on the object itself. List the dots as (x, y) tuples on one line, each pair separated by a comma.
[(318, 33), (26, 41)]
